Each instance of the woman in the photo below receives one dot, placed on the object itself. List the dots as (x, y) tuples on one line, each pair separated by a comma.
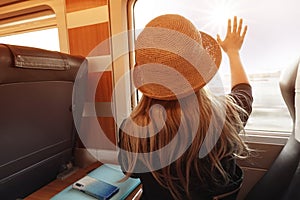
[(180, 140)]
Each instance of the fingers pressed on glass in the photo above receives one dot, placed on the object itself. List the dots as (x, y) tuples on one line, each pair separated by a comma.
[(244, 32), (229, 27), (234, 24), (240, 26)]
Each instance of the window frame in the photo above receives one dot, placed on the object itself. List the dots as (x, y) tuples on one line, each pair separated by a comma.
[(121, 21)]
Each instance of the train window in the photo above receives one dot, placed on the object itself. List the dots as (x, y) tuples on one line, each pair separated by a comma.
[(271, 45), (40, 24), (35, 39)]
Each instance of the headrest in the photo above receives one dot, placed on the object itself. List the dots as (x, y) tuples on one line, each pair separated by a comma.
[(27, 64)]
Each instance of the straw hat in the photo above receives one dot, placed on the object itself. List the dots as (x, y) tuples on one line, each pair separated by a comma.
[(173, 58)]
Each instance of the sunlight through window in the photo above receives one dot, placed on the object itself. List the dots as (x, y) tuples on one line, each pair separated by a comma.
[(44, 39), (271, 45)]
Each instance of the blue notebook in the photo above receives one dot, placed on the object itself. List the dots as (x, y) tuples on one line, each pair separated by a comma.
[(108, 173)]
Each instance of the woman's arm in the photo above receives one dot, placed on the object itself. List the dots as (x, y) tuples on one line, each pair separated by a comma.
[(231, 45)]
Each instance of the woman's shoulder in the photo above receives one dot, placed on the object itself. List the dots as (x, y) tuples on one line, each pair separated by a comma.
[(242, 95)]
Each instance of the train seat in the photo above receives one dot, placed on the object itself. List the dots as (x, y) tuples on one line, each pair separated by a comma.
[(293, 191), (282, 180), (36, 123)]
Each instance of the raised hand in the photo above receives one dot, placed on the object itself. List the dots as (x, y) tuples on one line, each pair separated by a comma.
[(234, 37)]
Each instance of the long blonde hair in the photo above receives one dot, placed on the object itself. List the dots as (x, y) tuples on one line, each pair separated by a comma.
[(180, 119)]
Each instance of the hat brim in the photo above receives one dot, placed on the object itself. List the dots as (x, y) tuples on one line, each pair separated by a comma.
[(212, 47)]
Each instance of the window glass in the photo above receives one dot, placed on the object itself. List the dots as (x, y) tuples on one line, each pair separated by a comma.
[(271, 44), (45, 39)]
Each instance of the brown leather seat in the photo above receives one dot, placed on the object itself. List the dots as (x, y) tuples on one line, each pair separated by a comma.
[(282, 180), (36, 122)]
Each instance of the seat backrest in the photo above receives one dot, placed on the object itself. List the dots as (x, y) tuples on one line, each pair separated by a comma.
[(36, 122), (293, 191), (277, 180)]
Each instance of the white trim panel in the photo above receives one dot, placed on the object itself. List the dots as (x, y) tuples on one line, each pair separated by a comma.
[(87, 17), (99, 63), (105, 156), (97, 109)]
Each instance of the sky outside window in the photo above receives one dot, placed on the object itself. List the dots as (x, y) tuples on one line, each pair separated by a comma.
[(45, 39), (273, 36)]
